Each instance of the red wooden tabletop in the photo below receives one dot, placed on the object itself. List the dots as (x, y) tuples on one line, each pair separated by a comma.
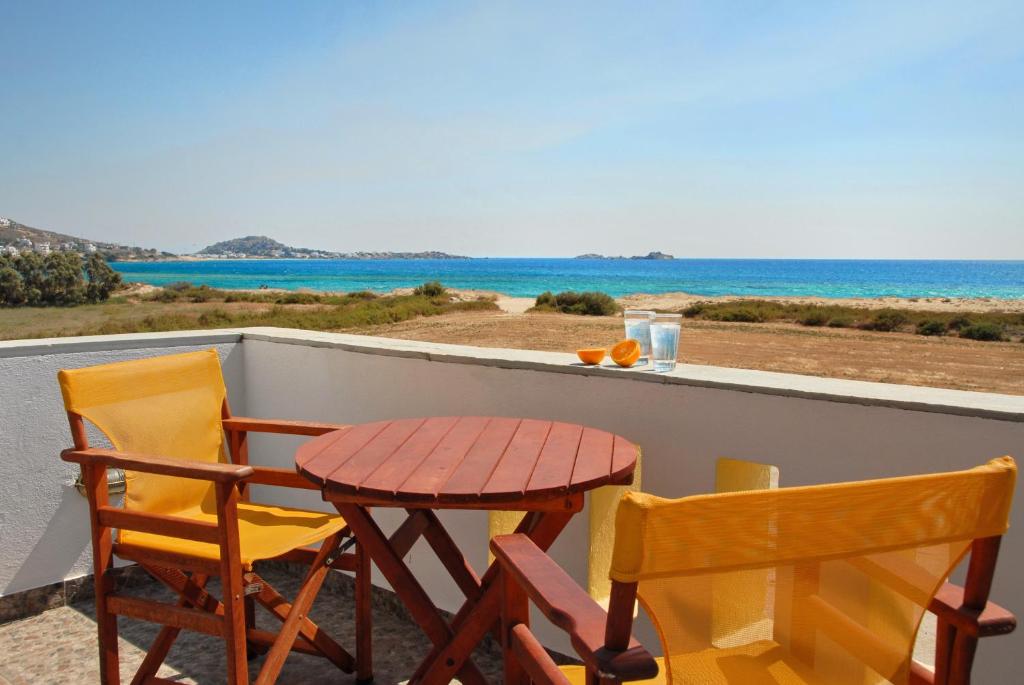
[(464, 460)]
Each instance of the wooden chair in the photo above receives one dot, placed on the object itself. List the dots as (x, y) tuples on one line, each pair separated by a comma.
[(187, 517), (848, 571)]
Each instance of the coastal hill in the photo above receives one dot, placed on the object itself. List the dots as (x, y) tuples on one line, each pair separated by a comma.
[(262, 247), (649, 255), (22, 238)]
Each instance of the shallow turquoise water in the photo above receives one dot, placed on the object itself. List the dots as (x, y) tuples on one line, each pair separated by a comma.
[(530, 277)]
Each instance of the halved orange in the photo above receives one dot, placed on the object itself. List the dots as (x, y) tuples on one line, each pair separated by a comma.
[(591, 355), (626, 352)]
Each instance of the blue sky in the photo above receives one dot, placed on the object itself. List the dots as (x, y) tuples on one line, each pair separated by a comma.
[(753, 129)]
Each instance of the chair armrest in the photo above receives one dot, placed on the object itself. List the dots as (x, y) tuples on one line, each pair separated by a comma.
[(163, 466), (948, 605), (243, 423), (569, 607), (284, 478)]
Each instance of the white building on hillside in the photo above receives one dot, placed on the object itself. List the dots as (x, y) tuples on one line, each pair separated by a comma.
[(10, 250), (43, 248), (4, 221)]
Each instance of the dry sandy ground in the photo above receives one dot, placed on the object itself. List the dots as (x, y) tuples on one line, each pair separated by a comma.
[(840, 353), (678, 301)]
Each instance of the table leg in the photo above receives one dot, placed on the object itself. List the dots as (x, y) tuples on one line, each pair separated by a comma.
[(449, 554), (405, 585), (476, 618)]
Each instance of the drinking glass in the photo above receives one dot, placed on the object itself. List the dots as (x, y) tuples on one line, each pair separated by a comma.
[(665, 341), (638, 327)]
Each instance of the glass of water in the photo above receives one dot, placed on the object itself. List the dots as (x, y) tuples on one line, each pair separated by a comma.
[(638, 327), (665, 341)]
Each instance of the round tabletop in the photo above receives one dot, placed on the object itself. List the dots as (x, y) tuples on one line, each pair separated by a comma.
[(464, 460)]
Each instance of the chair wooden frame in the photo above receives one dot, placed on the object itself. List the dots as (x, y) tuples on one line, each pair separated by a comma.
[(604, 642), (233, 616)]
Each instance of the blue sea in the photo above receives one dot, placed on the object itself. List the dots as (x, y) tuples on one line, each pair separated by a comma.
[(530, 277)]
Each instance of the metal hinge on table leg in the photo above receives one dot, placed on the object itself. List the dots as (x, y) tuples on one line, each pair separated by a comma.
[(253, 589), (343, 546)]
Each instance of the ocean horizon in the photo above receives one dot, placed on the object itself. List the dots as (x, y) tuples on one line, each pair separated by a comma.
[(528, 277)]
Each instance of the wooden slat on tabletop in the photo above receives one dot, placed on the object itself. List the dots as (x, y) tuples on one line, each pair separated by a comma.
[(322, 456), (309, 450), (430, 476), (594, 459), (387, 478), (476, 467), (350, 475), (553, 471), (514, 470), (623, 460)]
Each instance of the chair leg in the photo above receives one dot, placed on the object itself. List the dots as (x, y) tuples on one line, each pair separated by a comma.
[(364, 617), (279, 607), (299, 609), (252, 649), (165, 638), (95, 476), (106, 623), (234, 628), (232, 595)]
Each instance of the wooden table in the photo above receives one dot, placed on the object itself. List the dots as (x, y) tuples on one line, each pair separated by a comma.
[(539, 467)]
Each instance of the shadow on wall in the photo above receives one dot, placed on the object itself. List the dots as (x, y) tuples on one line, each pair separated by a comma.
[(58, 549)]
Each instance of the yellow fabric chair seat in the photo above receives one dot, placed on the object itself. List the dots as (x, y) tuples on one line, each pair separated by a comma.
[(264, 532), (758, 663)]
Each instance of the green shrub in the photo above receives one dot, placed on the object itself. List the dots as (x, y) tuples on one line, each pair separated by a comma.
[(430, 289), (982, 331), (58, 279), (103, 280), (885, 320), (739, 316), (545, 299), (816, 318), (957, 322), (586, 303), (694, 310), (931, 327), (840, 322), (298, 298)]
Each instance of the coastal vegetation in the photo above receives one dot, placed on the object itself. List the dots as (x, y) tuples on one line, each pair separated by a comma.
[(822, 340), (60, 279), (987, 326), (571, 302), (182, 306)]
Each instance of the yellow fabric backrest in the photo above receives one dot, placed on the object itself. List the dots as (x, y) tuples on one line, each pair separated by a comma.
[(738, 600), (168, 406), (845, 572)]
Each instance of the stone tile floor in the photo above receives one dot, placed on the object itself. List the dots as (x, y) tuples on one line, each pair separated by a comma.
[(59, 645)]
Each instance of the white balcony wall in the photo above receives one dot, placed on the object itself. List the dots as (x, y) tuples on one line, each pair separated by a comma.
[(44, 522), (816, 430), (839, 430)]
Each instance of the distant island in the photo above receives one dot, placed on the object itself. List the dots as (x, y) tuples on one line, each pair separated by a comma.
[(649, 255), (262, 247), (17, 238)]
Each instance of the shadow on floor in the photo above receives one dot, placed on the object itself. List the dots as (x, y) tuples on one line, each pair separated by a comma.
[(59, 646)]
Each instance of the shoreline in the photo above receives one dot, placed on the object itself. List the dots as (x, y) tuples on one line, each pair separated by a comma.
[(674, 301)]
